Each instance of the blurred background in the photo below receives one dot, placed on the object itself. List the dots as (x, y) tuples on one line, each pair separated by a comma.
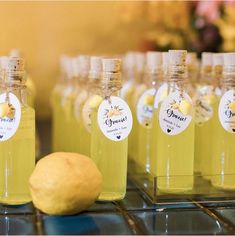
[(45, 30)]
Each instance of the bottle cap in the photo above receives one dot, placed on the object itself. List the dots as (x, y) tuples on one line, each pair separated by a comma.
[(4, 62), (218, 59), (165, 58), (140, 61), (177, 57), (154, 59), (111, 65), (83, 63), (191, 58), (207, 58), (129, 60), (95, 64), (15, 64), (229, 59)]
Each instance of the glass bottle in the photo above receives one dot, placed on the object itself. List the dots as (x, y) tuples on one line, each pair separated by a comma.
[(223, 138), (144, 109), (175, 131), (81, 138), (110, 156), (17, 147)]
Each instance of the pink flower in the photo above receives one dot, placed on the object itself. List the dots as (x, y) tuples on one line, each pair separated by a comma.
[(208, 9)]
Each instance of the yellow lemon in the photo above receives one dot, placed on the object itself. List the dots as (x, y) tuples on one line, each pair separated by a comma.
[(185, 107), (4, 109), (65, 183), (149, 100), (232, 106), (95, 101), (210, 99)]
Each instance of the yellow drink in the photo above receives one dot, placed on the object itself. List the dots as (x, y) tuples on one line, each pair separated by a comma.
[(223, 153), (111, 159), (174, 160), (17, 161)]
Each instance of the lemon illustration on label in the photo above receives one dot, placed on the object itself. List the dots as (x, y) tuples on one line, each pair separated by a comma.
[(149, 100), (7, 110), (232, 106), (185, 107)]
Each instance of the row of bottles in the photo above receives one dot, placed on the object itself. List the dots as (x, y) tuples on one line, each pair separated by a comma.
[(91, 119), (182, 117), (17, 132)]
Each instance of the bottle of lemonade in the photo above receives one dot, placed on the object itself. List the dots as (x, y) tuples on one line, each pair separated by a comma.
[(56, 106), (192, 67), (127, 90), (144, 110), (17, 136), (204, 106), (223, 138), (139, 88), (111, 125), (93, 97), (175, 131), (161, 93), (82, 137)]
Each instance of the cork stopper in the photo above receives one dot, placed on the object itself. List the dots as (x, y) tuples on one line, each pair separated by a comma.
[(154, 59), (111, 65), (129, 60), (191, 58), (4, 62), (140, 61), (229, 59), (207, 58), (165, 58), (218, 59), (83, 63), (95, 64), (177, 57), (15, 64)]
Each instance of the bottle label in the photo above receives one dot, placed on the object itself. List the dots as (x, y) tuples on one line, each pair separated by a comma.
[(78, 103), (10, 115), (92, 103), (175, 113), (145, 108), (115, 118), (127, 88), (161, 94), (203, 111), (227, 111)]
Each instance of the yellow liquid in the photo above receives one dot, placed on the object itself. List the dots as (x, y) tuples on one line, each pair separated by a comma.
[(17, 161), (174, 160), (223, 155), (57, 122), (111, 159)]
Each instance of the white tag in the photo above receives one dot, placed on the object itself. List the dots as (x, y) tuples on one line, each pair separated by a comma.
[(145, 108), (10, 116), (203, 111), (115, 118), (126, 88), (227, 111), (79, 101), (172, 120), (161, 94)]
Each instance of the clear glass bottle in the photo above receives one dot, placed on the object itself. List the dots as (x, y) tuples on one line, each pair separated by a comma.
[(18, 152), (144, 109), (223, 123), (175, 131), (110, 156), (81, 138)]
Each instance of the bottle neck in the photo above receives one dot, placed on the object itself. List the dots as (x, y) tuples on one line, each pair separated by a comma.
[(177, 79), (206, 74), (153, 77), (228, 78), (217, 75), (110, 84)]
